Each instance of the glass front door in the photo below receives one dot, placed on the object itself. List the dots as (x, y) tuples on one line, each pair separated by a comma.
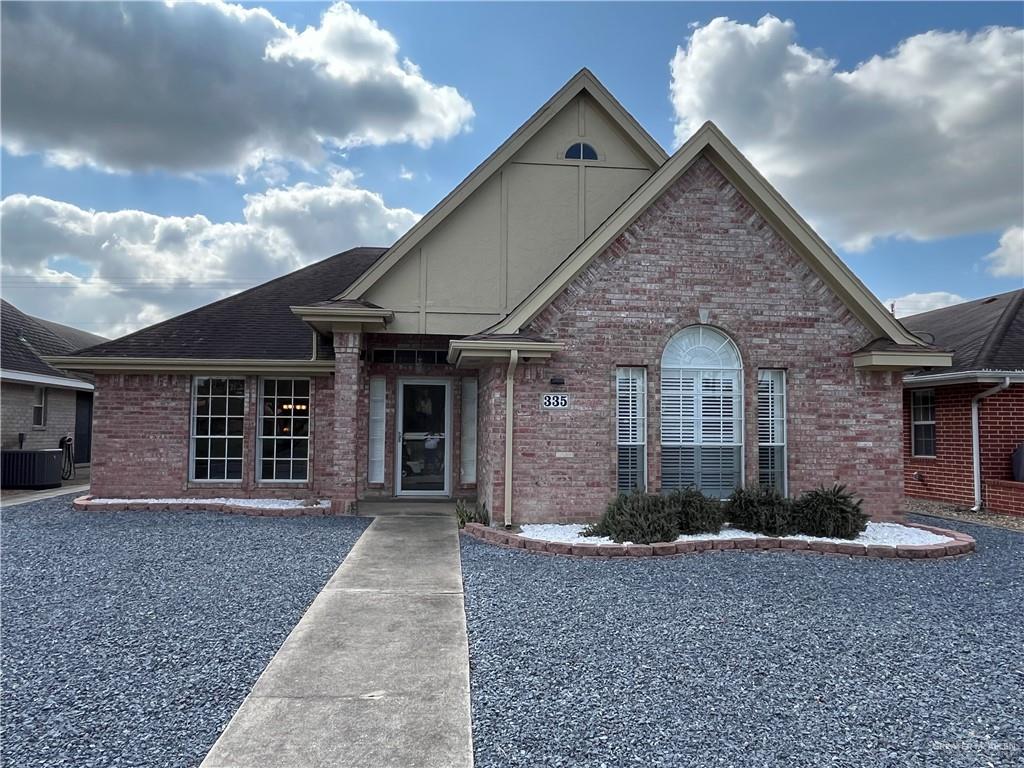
[(422, 448)]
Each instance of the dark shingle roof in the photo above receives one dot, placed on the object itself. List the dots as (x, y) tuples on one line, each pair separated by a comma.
[(23, 339), (77, 338), (984, 334), (254, 324)]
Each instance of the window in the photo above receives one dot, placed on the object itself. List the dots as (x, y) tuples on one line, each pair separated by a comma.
[(375, 465), (581, 151), (39, 407), (284, 430), (631, 428), (467, 473), (922, 422), (218, 407), (771, 429), (701, 412), (410, 356)]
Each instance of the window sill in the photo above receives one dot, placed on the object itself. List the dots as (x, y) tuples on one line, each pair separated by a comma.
[(923, 458)]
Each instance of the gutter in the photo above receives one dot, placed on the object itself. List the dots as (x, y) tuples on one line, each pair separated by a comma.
[(976, 437), (22, 377), (963, 377), (513, 361)]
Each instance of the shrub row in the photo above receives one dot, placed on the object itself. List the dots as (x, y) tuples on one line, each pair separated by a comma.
[(645, 518)]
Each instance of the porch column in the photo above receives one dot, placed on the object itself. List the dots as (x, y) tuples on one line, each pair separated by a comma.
[(347, 379)]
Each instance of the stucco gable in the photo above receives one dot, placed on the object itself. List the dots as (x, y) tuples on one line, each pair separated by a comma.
[(487, 245)]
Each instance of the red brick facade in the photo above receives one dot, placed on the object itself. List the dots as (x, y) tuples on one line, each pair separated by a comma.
[(141, 431), (700, 253), (948, 476), (700, 248)]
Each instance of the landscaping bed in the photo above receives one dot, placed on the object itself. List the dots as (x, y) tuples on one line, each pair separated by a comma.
[(130, 638), (914, 541), (266, 507), (747, 660)]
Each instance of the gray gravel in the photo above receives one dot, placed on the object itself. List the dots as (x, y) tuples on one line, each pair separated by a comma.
[(747, 659), (129, 639)]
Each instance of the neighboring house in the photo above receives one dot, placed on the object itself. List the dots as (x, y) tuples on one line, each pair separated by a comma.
[(40, 401), (581, 314), (962, 425)]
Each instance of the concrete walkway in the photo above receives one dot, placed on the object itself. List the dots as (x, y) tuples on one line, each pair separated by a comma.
[(376, 673)]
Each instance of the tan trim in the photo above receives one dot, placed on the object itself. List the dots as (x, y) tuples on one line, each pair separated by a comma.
[(584, 80), (190, 365), (709, 139), (346, 315), (463, 352), (901, 361), (513, 361)]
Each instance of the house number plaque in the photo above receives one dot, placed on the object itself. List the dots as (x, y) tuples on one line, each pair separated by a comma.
[(554, 401)]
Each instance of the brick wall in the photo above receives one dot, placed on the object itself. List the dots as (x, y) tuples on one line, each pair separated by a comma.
[(699, 247), (18, 400), (948, 476), (141, 441)]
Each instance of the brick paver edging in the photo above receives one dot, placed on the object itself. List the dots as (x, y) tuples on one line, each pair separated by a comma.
[(85, 503), (961, 545)]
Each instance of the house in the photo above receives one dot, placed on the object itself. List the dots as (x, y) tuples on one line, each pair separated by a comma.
[(962, 425), (42, 404), (582, 314)]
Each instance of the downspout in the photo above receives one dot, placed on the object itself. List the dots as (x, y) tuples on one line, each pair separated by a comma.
[(513, 361), (976, 437)]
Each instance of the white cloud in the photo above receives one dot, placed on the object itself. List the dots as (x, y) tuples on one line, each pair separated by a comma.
[(913, 303), (405, 174), (923, 142), (114, 272), (198, 87), (1007, 260)]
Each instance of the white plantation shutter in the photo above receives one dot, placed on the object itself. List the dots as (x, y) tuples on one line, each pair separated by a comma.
[(375, 465), (771, 429), (467, 472), (631, 427), (701, 412)]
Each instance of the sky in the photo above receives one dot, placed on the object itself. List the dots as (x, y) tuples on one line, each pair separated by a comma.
[(157, 157)]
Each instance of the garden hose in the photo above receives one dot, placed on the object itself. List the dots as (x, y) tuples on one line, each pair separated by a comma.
[(67, 445)]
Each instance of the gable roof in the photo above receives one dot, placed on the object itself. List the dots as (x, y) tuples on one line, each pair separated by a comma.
[(255, 324), (24, 339), (76, 337), (712, 143), (583, 81), (985, 334)]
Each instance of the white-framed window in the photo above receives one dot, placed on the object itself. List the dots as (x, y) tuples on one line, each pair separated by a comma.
[(467, 470), (702, 412), (375, 441), (218, 411), (631, 428), (771, 429), (39, 406), (922, 422), (283, 445)]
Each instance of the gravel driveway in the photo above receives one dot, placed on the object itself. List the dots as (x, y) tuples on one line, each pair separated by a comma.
[(129, 639), (748, 659)]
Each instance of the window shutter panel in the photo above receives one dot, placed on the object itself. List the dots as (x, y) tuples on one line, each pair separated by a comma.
[(375, 465), (771, 429), (467, 471), (631, 427)]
